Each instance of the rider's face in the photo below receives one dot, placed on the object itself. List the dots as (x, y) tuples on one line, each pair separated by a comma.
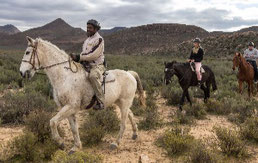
[(250, 47), (196, 44), (91, 30)]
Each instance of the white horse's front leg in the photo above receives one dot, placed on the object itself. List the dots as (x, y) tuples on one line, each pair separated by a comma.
[(74, 126), (65, 112)]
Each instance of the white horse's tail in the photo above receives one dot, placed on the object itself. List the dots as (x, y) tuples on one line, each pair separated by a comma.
[(141, 92)]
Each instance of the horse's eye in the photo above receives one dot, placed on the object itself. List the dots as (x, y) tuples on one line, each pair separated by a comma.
[(27, 53)]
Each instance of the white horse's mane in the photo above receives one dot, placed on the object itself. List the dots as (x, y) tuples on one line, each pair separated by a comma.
[(52, 46)]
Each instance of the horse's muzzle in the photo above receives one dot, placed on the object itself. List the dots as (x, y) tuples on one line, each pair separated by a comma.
[(26, 74)]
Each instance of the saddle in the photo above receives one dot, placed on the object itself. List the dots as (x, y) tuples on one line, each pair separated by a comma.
[(108, 77), (192, 65)]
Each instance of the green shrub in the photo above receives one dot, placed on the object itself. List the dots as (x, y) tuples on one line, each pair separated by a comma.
[(136, 108), (230, 143), (151, 118), (172, 94), (175, 141), (38, 122), (197, 110), (249, 129), (25, 148), (17, 105), (182, 118), (200, 154), (80, 157), (98, 124), (215, 106)]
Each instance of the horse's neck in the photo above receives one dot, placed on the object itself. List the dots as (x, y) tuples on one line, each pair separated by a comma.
[(243, 65), (50, 56)]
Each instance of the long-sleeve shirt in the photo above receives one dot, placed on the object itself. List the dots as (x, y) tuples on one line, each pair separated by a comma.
[(93, 50), (251, 55), (197, 56)]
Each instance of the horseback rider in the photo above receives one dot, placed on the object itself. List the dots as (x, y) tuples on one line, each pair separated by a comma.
[(196, 57), (251, 54), (92, 56)]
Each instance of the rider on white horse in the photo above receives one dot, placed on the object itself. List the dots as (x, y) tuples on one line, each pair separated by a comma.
[(92, 56)]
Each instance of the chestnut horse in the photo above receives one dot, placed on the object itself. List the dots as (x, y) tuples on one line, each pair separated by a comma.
[(245, 72)]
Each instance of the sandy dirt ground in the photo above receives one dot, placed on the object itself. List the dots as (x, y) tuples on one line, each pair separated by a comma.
[(130, 150)]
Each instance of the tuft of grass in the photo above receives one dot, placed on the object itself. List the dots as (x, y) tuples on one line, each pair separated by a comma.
[(249, 129), (176, 141), (80, 157), (98, 124), (230, 142)]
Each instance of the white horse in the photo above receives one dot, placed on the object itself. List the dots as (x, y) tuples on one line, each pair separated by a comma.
[(73, 91)]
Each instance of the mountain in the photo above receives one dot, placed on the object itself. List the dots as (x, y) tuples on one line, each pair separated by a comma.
[(147, 38), (217, 46), (253, 29), (9, 29), (58, 32), (105, 32)]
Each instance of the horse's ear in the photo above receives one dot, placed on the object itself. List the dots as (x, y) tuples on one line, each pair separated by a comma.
[(165, 63), (30, 40)]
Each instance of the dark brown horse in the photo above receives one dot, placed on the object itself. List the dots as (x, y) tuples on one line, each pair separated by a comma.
[(245, 73), (188, 78)]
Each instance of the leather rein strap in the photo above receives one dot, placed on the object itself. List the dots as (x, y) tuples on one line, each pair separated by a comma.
[(35, 56)]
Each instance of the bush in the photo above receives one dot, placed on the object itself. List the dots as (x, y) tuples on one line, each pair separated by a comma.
[(38, 122), (136, 108), (183, 118), (200, 154), (249, 129), (25, 148), (80, 157), (98, 124), (176, 141), (17, 105), (172, 94), (215, 106), (196, 110), (151, 117), (230, 143)]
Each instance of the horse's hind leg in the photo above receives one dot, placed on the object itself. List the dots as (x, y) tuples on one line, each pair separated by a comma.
[(124, 106), (134, 125), (205, 92), (188, 97), (75, 131)]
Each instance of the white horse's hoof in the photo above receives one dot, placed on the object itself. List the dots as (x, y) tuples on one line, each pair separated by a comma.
[(113, 146), (134, 136)]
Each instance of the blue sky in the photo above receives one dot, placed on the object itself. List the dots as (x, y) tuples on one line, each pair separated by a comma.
[(226, 15)]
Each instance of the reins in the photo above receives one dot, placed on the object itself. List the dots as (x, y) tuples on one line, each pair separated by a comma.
[(34, 55)]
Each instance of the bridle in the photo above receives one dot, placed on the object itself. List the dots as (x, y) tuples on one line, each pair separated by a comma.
[(34, 56)]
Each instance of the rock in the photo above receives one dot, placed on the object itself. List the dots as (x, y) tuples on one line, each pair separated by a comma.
[(144, 159)]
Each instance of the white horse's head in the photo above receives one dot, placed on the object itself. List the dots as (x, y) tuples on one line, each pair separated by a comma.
[(30, 61)]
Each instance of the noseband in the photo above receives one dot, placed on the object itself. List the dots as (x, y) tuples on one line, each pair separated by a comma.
[(35, 56)]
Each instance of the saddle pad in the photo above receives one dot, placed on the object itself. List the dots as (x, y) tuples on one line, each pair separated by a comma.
[(202, 69)]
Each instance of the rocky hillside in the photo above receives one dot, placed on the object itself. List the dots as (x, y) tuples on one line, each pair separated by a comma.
[(220, 46), (9, 29), (147, 38)]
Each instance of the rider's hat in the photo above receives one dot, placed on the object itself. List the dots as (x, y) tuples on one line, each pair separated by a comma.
[(198, 40), (251, 44), (95, 23)]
